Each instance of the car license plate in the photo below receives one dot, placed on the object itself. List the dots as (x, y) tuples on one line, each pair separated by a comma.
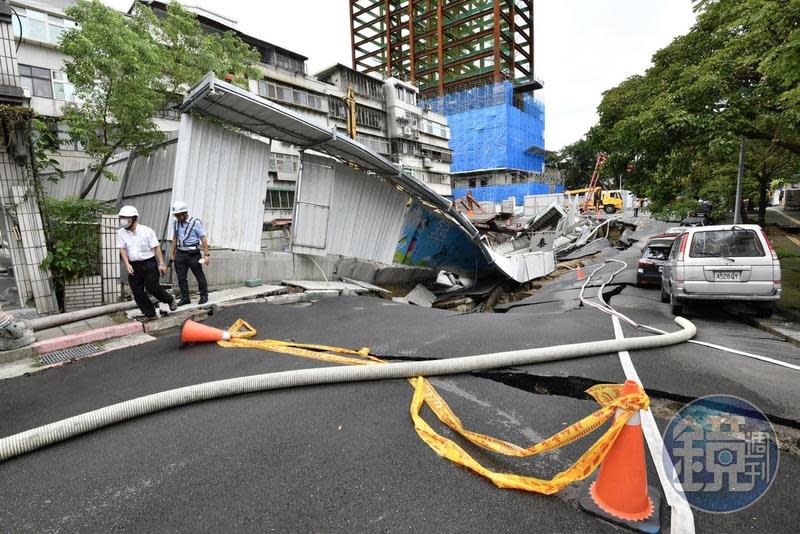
[(727, 276)]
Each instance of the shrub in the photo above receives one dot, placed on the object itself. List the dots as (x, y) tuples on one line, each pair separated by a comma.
[(73, 241)]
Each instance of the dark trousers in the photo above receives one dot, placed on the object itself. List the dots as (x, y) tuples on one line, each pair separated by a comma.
[(145, 276), (635, 212), (185, 260)]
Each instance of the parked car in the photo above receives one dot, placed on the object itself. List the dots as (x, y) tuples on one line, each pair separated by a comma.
[(654, 255), (693, 220), (722, 263)]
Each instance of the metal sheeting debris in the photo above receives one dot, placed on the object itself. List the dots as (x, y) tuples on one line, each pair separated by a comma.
[(242, 109), (143, 181), (222, 175), (342, 211)]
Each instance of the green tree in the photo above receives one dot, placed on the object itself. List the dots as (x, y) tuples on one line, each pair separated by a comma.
[(735, 74), (127, 68)]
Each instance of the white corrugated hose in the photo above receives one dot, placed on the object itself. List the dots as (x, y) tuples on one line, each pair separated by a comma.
[(43, 436)]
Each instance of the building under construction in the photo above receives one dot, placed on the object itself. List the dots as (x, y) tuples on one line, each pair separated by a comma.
[(473, 62)]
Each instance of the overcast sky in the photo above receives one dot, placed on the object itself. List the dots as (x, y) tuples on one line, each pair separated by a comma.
[(582, 47)]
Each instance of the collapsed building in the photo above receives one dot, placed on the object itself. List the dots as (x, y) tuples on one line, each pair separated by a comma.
[(356, 214)]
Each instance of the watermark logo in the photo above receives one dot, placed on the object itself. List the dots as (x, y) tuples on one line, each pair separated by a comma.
[(723, 451)]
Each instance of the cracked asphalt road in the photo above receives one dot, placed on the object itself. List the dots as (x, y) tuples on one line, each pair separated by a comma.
[(345, 458)]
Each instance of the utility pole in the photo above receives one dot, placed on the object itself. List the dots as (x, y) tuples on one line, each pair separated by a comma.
[(737, 211)]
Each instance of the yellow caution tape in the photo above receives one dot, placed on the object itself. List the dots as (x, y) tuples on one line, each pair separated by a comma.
[(609, 396)]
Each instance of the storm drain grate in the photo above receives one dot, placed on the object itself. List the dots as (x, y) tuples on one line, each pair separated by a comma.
[(72, 353)]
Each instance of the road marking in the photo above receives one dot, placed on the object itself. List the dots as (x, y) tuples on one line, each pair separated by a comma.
[(792, 238), (682, 519)]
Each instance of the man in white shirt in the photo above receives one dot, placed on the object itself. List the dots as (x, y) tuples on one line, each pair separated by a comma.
[(141, 256)]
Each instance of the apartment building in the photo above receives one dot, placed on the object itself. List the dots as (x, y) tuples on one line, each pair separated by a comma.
[(419, 137)]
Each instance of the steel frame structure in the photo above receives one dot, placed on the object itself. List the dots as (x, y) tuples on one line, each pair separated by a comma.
[(444, 45)]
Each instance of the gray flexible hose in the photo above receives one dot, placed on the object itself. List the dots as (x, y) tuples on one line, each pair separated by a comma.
[(43, 436)]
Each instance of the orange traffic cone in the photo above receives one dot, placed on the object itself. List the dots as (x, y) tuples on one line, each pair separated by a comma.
[(620, 493), (581, 275), (194, 332)]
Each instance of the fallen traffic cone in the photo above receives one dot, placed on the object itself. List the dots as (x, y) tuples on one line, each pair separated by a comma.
[(581, 275), (194, 332), (620, 493)]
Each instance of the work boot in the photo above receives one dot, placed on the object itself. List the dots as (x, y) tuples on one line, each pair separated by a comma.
[(173, 304), (184, 302), (148, 318), (203, 299)]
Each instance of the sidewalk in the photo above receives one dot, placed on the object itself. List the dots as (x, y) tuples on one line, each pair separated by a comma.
[(92, 337), (779, 326)]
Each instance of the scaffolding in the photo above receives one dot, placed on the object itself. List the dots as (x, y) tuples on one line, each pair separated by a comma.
[(444, 45), (493, 127)]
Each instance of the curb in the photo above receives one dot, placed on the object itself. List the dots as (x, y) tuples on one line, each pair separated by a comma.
[(39, 348), (792, 338), (81, 338)]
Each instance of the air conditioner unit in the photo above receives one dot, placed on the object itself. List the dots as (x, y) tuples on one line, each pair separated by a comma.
[(416, 134), (427, 163), (407, 131), (26, 92)]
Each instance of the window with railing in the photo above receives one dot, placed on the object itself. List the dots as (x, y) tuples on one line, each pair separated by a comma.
[(336, 108), (370, 117), (363, 85), (373, 142), (404, 94), (39, 26), (434, 128), (445, 156), (278, 199), (288, 63), (404, 146), (292, 95)]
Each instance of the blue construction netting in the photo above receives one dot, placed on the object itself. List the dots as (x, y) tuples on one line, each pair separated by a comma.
[(499, 193), (491, 128)]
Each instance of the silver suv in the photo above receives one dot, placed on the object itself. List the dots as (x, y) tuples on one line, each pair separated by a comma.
[(722, 263)]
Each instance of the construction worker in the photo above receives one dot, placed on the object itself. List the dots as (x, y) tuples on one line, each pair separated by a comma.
[(141, 256), (188, 236)]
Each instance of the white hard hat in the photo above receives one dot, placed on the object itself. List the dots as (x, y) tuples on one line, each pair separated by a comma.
[(128, 211), (180, 207)]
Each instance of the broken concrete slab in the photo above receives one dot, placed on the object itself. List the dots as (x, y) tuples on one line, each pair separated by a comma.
[(590, 249), (357, 269), (367, 286), (293, 298), (313, 285), (317, 294), (421, 296), (400, 300), (444, 279)]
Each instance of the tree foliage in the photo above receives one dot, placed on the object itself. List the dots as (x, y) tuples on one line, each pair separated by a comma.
[(126, 69), (735, 75), (73, 242)]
